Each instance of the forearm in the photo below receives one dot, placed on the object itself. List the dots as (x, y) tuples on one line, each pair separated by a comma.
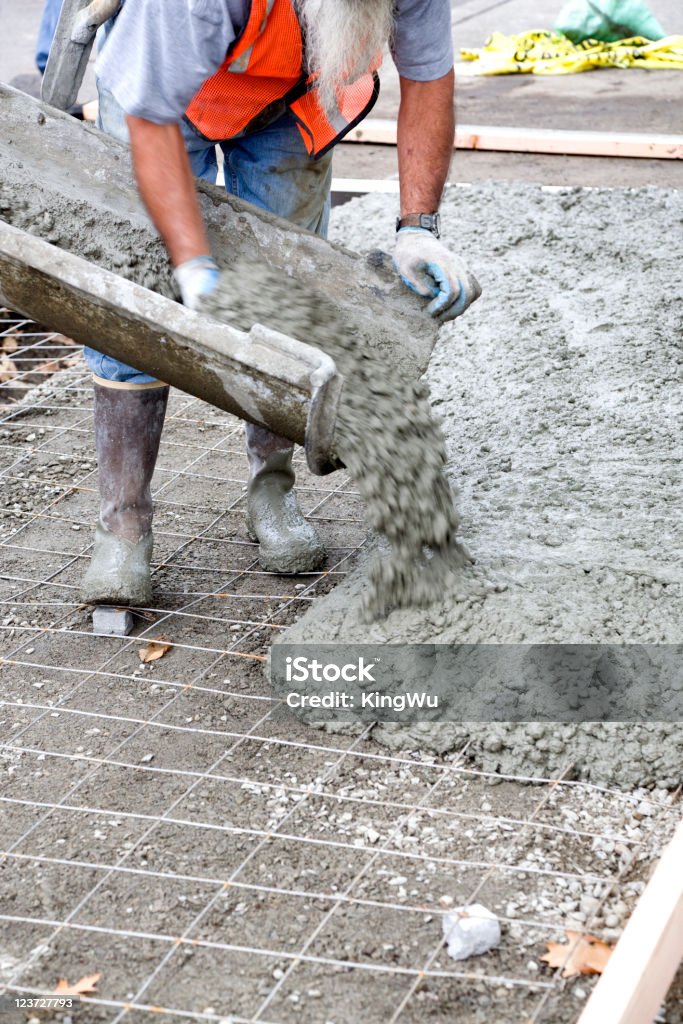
[(167, 188), (426, 130)]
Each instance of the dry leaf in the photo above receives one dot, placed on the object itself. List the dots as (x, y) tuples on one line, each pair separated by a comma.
[(8, 369), (588, 955), (84, 987), (10, 343), (155, 649)]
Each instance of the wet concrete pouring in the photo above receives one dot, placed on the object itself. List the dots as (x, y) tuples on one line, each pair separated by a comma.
[(306, 873)]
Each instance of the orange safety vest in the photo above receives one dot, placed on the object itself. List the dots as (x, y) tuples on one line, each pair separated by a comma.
[(264, 75)]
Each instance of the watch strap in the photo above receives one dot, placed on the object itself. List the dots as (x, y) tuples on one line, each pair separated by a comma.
[(427, 221)]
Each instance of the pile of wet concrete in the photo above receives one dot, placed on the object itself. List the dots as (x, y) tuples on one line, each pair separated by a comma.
[(559, 394)]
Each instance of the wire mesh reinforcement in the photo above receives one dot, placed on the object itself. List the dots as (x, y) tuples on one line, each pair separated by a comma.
[(165, 826)]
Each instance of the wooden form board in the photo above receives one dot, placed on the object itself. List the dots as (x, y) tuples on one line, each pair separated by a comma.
[(538, 140), (642, 967), (364, 185)]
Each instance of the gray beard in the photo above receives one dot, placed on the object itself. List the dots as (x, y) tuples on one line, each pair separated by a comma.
[(342, 38)]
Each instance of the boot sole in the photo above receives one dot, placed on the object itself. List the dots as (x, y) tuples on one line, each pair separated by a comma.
[(118, 573), (306, 561), (140, 599), (293, 566)]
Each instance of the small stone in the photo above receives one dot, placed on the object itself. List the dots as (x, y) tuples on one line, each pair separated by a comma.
[(371, 835), (470, 931), (589, 905)]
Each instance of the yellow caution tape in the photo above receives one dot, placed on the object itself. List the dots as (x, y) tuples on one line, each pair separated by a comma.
[(544, 52)]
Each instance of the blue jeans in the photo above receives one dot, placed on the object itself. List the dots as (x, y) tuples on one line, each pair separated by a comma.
[(48, 24), (270, 169)]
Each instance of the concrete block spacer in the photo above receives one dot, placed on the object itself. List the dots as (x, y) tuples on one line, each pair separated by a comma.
[(109, 621)]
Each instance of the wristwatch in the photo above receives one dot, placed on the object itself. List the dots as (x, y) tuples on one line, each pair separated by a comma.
[(428, 221)]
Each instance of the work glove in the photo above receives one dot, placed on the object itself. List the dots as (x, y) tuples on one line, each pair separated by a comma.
[(196, 278), (433, 271)]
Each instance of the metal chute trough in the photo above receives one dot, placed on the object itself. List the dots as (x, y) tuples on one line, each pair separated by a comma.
[(76, 246)]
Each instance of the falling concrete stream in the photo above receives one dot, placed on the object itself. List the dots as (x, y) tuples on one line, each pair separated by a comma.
[(385, 435)]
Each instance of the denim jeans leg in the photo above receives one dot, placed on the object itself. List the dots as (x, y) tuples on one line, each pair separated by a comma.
[(46, 32), (272, 170)]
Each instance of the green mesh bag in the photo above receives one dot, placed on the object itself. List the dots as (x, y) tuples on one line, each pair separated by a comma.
[(607, 20)]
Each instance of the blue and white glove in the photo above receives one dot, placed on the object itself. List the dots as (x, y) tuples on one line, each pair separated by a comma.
[(433, 271), (196, 278)]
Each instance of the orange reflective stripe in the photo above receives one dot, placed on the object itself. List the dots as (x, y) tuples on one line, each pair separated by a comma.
[(245, 42), (319, 132), (261, 69), (265, 69), (240, 62)]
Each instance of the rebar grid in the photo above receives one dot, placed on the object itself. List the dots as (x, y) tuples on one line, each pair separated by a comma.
[(283, 809)]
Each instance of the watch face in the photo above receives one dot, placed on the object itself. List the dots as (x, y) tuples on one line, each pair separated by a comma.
[(432, 222)]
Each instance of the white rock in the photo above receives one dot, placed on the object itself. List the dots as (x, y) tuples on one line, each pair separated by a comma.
[(470, 931), (371, 835), (589, 905)]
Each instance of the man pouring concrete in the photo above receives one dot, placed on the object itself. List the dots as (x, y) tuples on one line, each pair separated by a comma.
[(276, 84)]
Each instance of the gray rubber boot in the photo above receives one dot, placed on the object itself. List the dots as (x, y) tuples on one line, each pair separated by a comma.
[(288, 544), (128, 424)]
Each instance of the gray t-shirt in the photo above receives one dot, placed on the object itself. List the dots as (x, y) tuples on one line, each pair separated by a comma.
[(159, 52)]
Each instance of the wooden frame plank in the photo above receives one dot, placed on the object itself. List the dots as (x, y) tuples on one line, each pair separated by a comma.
[(642, 967), (362, 186), (521, 140), (538, 140)]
